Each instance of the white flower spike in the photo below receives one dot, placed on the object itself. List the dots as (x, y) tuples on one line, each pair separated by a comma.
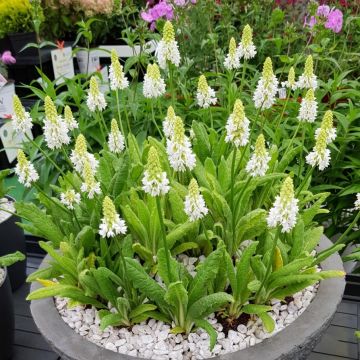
[(69, 198), (237, 126), (259, 160), (154, 85), (290, 82), (168, 124), (308, 79), (69, 119), (247, 49), (111, 224), (95, 99), (167, 49), (205, 94), (80, 155), (194, 204), (232, 60), (21, 119), (55, 128), (267, 87), (116, 140), (320, 155), (357, 202), (327, 125), (89, 185), (178, 148), (285, 209), (308, 107), (155, 181), (25, 170), (118, 81)]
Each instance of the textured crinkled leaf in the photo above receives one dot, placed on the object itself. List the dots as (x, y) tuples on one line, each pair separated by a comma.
[(255, 309), (268, 322), (201, 323)]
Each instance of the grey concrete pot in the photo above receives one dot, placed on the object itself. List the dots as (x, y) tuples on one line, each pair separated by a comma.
[(293, 343)]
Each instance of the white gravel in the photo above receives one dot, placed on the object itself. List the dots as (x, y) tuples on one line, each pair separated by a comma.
[(6, 205), (2, 276), (153, 340)]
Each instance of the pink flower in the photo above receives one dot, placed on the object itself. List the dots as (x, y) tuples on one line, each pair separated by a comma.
[(311, 22), (7, 58), (334, 20), (162, 9), (323, 10)]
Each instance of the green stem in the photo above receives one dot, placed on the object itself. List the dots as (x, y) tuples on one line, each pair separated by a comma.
[(306, 178), (37, 187), (153, 119), (103, 122), (163, 233), (242, 193), (243, 77), (301, 152), (269, 266), (119, 114), (211, 118), (283, 110), (293, 138), (172, 89), (232, 197), (342, 237)]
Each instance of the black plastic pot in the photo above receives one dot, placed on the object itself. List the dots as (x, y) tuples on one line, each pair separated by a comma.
[(19, 40), (12, 239), (7, 322)]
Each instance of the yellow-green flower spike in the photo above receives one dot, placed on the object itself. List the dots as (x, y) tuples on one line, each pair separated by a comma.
[(118, 71), (94, 87), (80, 145), (291, 77), (287, 190), (203, 85), (268, 69), (232, 48), (109, 211), (321, 141), (168, 32), (153, 71), (238, 111), (170, 113), (114, 126), (260, 149), (309, 67), (88, 175), (19, 110), (310, 96), (153, 166), (327, 121), (193, 188), (68, 115), (50, 109), (22, 160), (246, 38), (179, 130)]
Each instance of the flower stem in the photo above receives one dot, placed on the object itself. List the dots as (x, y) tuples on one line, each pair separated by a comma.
[(119, 115), (163, 233), (232, 198), (153, 119), (306, 178), (243, 77), (342, 237)]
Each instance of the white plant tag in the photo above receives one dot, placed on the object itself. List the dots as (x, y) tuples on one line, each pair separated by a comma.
[(7, 93), (63, 65)]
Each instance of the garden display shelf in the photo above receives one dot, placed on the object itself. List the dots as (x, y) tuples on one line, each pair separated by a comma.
[(294, 342)]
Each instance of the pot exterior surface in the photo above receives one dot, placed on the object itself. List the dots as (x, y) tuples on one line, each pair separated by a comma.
[(7, 322), (295, 342), (12, 239)]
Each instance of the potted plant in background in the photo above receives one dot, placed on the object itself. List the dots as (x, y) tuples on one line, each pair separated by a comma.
[(12, 236), (6, 305)]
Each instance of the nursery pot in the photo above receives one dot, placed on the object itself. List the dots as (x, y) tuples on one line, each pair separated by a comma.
[(292, 343), (19, 40), (7, 322), (87, 62), (12, 239)]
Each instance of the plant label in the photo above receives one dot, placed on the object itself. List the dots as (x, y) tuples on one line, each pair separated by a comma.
[(7, 93), (63, 64), (3, 81), (12, 141)]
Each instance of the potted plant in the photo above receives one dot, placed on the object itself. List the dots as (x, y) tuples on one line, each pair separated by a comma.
[(13, 238), (191, 243), (6, 305)]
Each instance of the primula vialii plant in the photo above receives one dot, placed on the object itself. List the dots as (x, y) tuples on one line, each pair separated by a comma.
[(236, 198)]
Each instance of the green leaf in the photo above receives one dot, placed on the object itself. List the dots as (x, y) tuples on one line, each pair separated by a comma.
[(120, 178), (320, 257), (298, 240), (177, 296), (107, 288), (267, 321), (184, 247), (112, 320), (46, 273), (292, 279), (163, 268), (201, 143), (208, 304), (312, 238), (141, 309), (255, 309), (137, 228), (86, 238), (180, 232), (209, 329), (251, 225), (42, 222), (290, 268), (142, 281), (9, 259), (143, 252), (205, 275)]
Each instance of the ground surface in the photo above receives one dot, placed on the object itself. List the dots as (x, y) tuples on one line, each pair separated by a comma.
[(338, 343)]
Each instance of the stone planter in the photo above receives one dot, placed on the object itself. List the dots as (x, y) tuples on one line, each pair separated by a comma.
[(7, 322), (293, 343), (13, 240)]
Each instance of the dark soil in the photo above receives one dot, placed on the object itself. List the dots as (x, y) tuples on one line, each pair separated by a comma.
[(288, 300), (232, 324)]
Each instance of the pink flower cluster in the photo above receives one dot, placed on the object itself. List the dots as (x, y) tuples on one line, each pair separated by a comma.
[(6, 58), (161, 9), (333, 18)]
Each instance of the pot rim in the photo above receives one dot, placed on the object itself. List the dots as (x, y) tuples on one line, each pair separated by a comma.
[(293, 342)]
